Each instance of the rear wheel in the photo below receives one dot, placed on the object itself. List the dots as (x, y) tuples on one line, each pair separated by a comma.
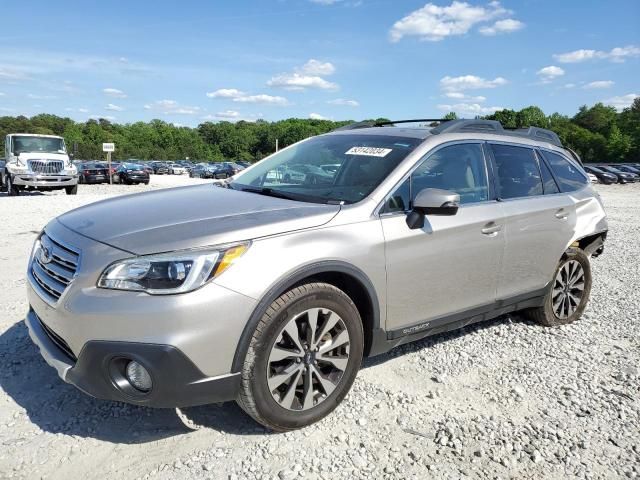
[(303, 357), (568, 296)]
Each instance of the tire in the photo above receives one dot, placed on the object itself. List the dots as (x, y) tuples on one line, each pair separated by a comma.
[(547, 315), (81, 179), (12, 190), (71, 190), (293, 408)]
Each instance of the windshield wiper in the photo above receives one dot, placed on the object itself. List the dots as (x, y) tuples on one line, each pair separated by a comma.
[(270, 192)]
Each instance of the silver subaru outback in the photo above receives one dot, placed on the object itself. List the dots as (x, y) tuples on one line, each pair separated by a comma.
[(270, 290)]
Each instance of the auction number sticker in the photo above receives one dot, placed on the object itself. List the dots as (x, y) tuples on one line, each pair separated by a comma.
[(369, 151)]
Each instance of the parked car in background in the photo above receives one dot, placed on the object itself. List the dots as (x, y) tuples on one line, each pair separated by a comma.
[(605, 178), (159, 168), (176, 169), (224, 170), (623, 177), (132, 173), (147, 168), (629, 169), (93, 172), (243, 163), (202, 170)]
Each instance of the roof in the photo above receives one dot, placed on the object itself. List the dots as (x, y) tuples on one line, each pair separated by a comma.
[(32, 135)]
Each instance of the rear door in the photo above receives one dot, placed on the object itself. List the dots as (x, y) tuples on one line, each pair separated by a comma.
[(539, 220), (451, 265)]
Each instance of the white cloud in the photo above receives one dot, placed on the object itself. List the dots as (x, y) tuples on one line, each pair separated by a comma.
[(307, 76), (263, 99), (171, 107), (317, 116), (507, 25), (343, 102), (12, 74), (316, 67), (226, 93), (113, 108), (114, 92), (569, 85), (78, 110), (1, 94), (434, 23), (621, 102), (550, 73), (325, 2), (468, 109), (228, 114), (239, 96), (617, 55), (462, 96), (599, 84), (296, 81), (469, 82)]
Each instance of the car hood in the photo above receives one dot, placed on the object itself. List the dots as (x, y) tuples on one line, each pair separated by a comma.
[(191, 217)]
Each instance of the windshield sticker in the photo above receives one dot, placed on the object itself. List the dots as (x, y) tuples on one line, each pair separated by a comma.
[(369, 151)]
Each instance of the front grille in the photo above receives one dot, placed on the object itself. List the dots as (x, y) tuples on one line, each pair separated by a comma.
[(53, 267), (46, 167), (58, 340)]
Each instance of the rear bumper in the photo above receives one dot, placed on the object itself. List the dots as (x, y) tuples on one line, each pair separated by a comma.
[(26, 180), (96, 178), (97, 371)]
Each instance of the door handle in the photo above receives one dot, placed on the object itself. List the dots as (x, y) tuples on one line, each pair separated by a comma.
[(491, 229), (562, 214)]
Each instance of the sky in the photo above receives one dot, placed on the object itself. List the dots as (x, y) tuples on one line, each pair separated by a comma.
[(195, 61)]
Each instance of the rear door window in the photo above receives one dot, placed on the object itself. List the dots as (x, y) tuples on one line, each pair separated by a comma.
[(567, 173), (550, 185), (517, 173)]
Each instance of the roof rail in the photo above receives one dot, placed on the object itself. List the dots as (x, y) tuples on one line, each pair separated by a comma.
[(367, 124), (355, 126), (493, 126), (415, 120)]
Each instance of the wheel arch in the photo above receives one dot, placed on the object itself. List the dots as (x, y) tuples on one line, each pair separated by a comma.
[(348, 278)]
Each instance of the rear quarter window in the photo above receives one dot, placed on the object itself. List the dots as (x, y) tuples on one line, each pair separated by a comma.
[(568, 175)]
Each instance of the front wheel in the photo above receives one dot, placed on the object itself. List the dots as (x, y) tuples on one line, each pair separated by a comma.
[(568, 296), (12, 190), (303, 357), (71, 190)]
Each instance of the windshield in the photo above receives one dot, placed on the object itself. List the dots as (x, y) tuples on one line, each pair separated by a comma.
[(29, 144), (329, 168)]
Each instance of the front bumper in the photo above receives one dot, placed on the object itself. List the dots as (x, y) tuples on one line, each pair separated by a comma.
[(194, 333), (177, 382), (53, 181)]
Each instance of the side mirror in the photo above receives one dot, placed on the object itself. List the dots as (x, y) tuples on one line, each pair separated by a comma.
[(432, 201)]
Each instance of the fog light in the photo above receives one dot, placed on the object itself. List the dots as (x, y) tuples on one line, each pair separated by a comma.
[(138, 376)]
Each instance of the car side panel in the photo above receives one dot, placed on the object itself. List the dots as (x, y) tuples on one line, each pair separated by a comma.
[(269, 261)]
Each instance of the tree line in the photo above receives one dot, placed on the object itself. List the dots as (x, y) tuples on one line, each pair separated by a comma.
[(598, 133)]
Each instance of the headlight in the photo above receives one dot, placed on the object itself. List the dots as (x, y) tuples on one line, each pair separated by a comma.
[(16, 168), (169, 273)]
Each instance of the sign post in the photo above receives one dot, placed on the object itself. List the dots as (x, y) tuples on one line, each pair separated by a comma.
[(109, 147)]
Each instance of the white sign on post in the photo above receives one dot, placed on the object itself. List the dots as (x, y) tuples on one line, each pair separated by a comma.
[(108, 147)]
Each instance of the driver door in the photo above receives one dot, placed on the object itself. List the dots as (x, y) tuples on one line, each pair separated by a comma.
[(452, 264)]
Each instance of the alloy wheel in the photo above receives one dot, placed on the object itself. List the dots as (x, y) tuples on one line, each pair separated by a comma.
[(568, 289), (308, 359)]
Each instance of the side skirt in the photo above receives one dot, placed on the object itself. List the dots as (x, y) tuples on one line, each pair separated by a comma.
[(383, 341)]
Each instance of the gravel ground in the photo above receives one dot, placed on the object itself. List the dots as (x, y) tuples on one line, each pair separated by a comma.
[(505, 399)]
